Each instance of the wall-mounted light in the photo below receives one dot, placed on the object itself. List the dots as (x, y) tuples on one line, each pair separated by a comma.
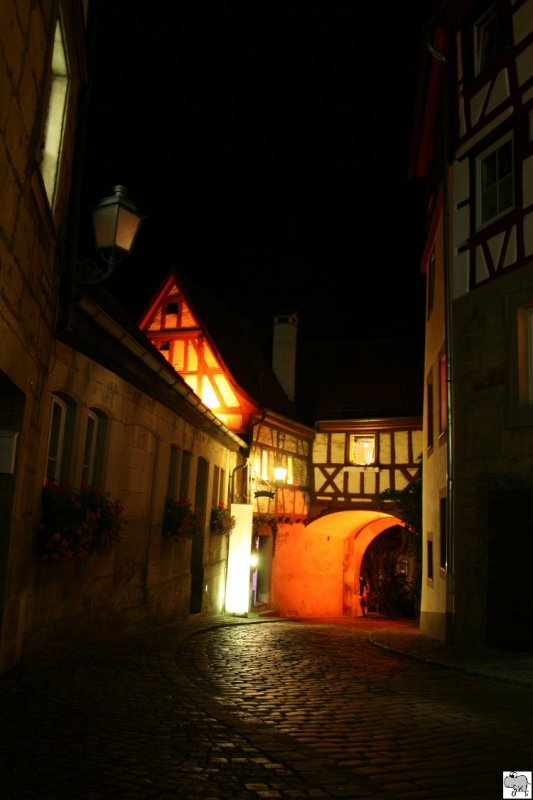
[(116, 222)]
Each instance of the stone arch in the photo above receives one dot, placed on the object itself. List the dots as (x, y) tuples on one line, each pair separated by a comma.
[(317, 567)]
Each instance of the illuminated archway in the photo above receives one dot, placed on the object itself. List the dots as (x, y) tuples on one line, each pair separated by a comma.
[(316, 567)]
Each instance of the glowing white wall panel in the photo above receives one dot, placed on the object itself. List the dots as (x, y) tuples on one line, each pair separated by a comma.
[(240, 546)]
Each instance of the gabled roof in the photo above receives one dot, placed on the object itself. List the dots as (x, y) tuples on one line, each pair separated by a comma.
[(103, 331), (235, 342)]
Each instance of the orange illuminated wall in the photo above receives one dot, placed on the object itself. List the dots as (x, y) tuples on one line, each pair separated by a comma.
[(174, 329)]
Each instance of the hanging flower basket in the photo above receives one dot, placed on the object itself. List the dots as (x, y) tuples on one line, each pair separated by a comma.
[(75, 523), (179, 519), (222, 522)]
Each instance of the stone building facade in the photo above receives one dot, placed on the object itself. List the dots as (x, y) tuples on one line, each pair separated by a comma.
[(84, 397)]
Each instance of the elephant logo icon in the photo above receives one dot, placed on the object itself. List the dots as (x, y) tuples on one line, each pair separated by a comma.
[(516, 784)]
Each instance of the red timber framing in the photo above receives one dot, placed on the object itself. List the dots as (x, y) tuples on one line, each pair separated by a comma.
[(174, 328)]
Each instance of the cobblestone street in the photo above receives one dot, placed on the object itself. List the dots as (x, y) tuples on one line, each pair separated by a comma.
[(241, 711)]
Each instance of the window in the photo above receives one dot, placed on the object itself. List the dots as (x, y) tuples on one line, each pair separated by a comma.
[(93, 451), (495, 177), (363, 451), (298, 472), (443, 394), (216, 478), (55, 116), (487, 39), (59, 441), (222, 487), (429, 565), (89, 449), (171, 314)]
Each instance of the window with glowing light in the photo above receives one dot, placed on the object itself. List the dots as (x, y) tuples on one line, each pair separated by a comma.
[(53, 135), (363, 450)]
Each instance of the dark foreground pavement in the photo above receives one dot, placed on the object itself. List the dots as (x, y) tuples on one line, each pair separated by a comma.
[(232, 708)]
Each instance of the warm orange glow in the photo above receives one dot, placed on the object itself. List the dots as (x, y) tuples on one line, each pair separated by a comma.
[(210, 359), (192, 381), (232, 421), (192, 357), (187, 319), (209, 397), (178, 355), (174, 330), (228, 395), (316, 568)]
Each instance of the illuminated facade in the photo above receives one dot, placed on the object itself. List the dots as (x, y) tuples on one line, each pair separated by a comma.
[(175, 331), (182, 411), (355, 460), (331, 466)]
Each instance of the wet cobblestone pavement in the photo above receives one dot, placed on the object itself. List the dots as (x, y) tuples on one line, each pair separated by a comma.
[(225, 710)]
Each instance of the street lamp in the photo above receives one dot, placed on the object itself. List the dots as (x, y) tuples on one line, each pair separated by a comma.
[(116, 222)]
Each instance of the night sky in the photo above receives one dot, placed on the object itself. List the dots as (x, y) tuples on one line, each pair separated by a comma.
[(268, 145)]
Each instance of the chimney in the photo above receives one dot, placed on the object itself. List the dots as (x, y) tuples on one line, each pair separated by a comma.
[(284, 351)]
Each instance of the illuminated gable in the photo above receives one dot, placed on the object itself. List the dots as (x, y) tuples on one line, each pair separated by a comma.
[(174, 329)]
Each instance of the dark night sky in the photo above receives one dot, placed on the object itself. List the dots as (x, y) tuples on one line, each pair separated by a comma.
[(267, 144)]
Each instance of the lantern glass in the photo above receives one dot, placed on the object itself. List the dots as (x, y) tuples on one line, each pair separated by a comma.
[(116, 222)]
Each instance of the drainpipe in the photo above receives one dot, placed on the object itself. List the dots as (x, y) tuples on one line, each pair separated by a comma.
[(244, 465), (449, 620)]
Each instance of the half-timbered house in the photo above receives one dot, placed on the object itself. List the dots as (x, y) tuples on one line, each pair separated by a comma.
[(329, 466), (218, 356), (474, 152)]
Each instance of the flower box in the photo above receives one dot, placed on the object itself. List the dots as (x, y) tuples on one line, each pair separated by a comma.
[(222, 522), (179, 519), (76, 522)]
